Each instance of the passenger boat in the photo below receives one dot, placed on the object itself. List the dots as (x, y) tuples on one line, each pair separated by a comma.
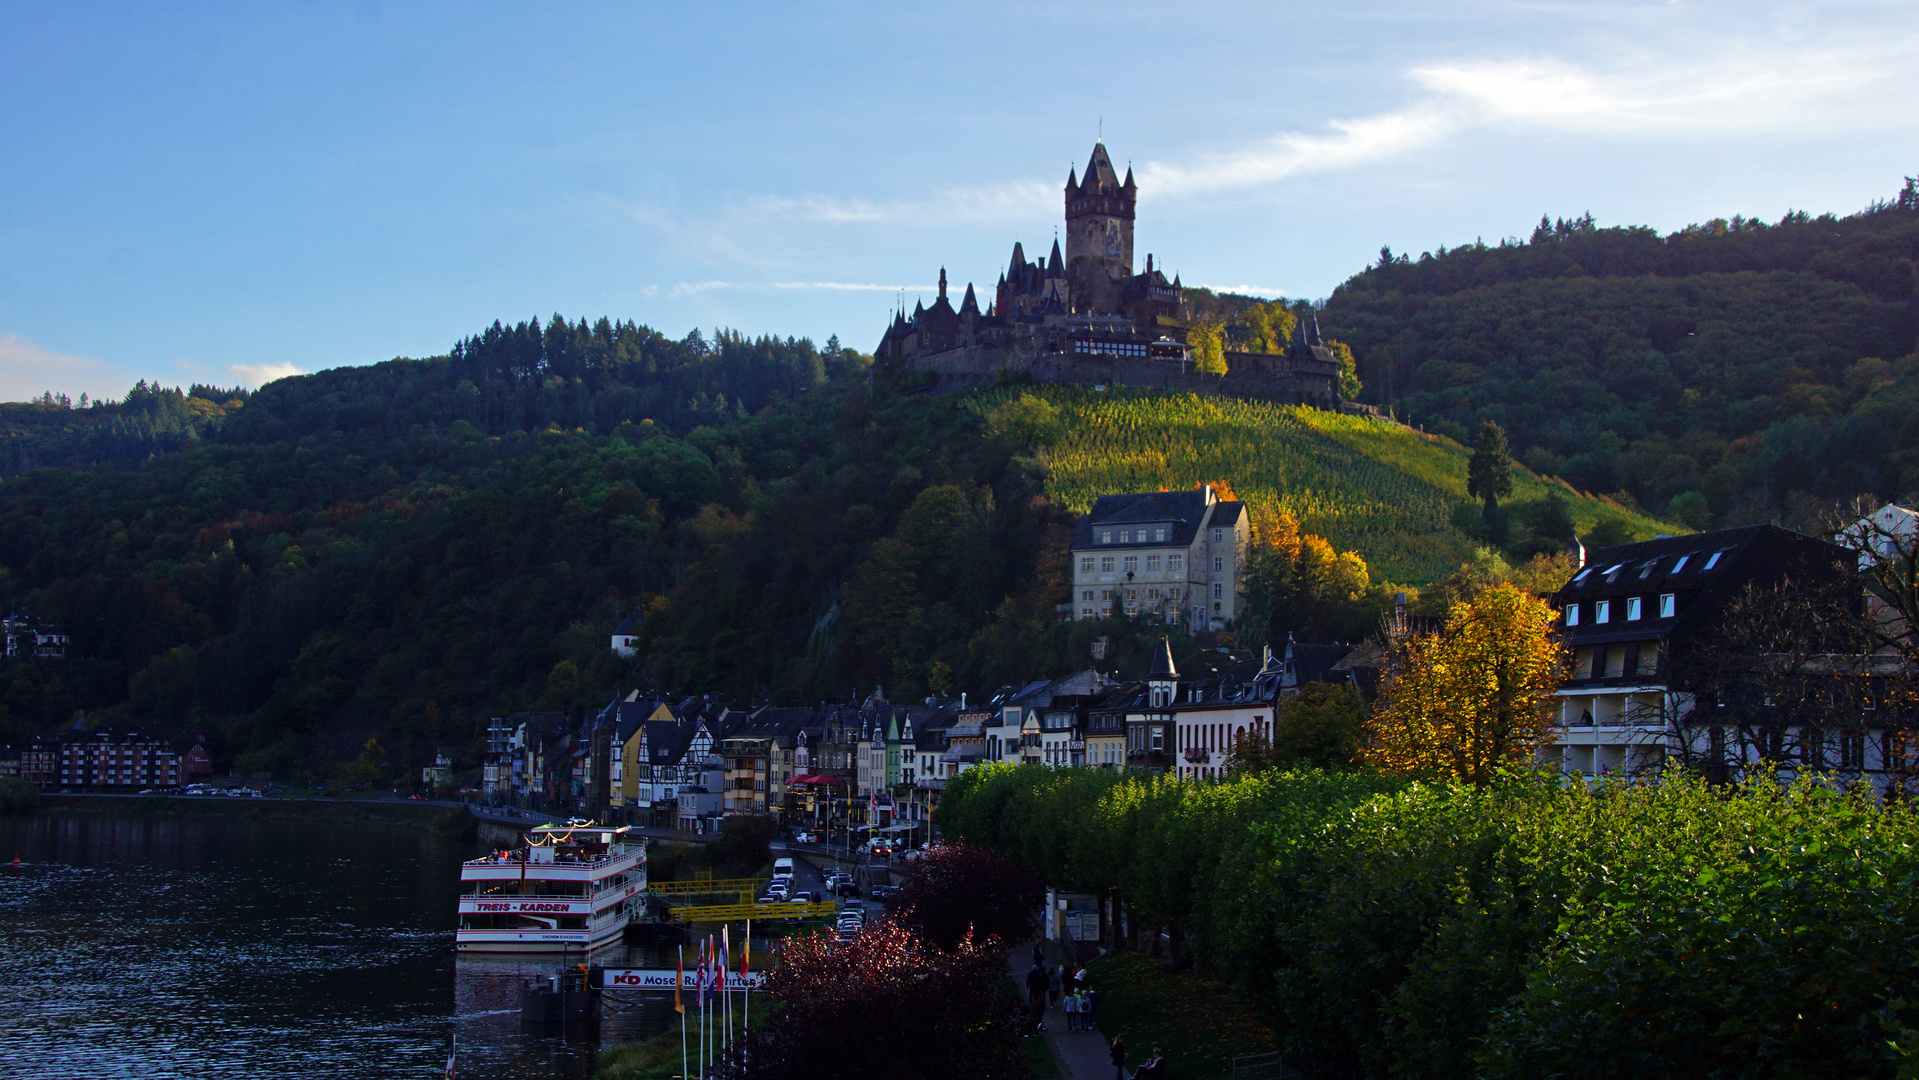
[(572, 887)]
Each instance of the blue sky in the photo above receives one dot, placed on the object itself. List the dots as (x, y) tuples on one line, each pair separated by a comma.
[(219, 193)]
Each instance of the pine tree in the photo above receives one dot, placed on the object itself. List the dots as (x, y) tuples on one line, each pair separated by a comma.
[(1489, 475)]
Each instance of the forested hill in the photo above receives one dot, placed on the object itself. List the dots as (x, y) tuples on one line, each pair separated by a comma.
[(402, 550), (1746, 368), (528, 376)]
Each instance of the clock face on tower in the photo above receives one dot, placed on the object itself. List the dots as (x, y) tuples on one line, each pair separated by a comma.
[(1112, 238)]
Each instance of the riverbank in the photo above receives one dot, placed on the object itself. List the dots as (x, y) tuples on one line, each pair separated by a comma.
[(411, 813)]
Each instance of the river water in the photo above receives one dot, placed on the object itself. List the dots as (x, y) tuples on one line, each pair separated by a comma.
[(209, 947)]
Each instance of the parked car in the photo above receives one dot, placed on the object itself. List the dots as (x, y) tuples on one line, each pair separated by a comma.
[(805, 838), (769, 898), (884, 892)]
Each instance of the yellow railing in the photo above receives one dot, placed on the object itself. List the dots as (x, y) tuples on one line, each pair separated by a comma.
[(742, 912), (670, 890)]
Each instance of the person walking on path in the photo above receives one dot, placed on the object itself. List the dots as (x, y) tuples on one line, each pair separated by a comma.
[(1036, 986), (1072, 1012), (1054, 984), (1039, 954), (1119, 1057)]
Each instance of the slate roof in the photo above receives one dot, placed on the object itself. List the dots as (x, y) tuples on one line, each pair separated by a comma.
[(1184, 510)]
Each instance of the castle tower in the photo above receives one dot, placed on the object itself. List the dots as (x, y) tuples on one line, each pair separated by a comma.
[(1099, 234)]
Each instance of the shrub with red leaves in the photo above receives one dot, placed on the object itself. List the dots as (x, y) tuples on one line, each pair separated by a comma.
[(957, 888), (886, 1004)]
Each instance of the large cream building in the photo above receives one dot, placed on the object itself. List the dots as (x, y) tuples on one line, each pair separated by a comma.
[(1176, 554)]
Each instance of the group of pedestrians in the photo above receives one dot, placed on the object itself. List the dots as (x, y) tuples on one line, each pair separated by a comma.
[(1050, 985)]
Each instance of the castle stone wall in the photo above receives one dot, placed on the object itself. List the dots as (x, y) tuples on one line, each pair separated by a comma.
[(1252, 375)]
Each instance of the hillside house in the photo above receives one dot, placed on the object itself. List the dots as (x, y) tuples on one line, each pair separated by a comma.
[(1178, 556)]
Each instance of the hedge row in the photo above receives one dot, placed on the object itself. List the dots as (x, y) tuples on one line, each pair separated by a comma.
[(1536, 929)]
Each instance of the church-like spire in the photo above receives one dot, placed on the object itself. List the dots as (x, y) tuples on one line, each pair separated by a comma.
[(1055, 266), (971, 303), (1072, 183), (1129, 185), (1019, 262)]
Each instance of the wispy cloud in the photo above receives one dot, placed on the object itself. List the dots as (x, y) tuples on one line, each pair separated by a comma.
[(258, 375), (1348, 143), (28, 370), (694, 288)]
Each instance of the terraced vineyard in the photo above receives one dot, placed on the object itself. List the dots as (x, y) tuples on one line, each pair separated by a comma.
[(1375, 487)]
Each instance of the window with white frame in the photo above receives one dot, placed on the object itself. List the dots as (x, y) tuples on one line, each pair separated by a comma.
[(1086, 565), (1634, 608), (1152, 563), (1219, 564), (1106, 536), (1219, 536), (1105, 564), (1130, 564), (1572, 614), (1175, 562), (1219, 591), (1086, 596), (1159, 536), (1602, 611), (1668, 605)]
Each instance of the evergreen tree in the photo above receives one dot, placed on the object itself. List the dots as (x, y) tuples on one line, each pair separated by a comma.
[(1489, 475)]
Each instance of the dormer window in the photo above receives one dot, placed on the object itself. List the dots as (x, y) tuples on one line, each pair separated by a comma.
[(1159, 536), (1633, 608), (1572, 614), (1668, 605), (1106, 536), (1587, 572), (1602, 611)]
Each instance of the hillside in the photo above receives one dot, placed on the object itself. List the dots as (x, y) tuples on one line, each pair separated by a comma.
[(1388, 492), (1764, 367), (326, 561)]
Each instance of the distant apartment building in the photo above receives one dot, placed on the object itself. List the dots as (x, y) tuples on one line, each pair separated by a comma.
[(1177, 555)]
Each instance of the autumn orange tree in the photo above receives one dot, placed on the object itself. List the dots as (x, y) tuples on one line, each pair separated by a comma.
[(1474, 700)]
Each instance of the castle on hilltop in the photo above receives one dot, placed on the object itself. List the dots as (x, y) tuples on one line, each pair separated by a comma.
[(1086, 317)]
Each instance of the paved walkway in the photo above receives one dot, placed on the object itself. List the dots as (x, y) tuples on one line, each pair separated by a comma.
[(1082, 1055)]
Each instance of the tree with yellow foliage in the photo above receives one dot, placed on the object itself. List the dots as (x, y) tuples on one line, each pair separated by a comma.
[(1299, 584), (1206, 341), (1474, 700)]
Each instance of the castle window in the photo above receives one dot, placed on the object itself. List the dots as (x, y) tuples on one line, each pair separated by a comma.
[(1219, 591), (1175, 562)]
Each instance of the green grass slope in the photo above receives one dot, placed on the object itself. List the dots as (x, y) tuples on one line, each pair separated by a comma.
[(1378, 488)]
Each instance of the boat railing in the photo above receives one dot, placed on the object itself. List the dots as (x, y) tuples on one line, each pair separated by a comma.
[(512, 859)]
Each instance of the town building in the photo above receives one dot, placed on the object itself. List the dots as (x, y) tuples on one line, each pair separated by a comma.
[(1638, 617), (123, 755), (1178, 556)]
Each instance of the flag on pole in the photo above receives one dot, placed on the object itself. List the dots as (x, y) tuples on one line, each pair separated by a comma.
[(452, 1052), (726, 954), (699, 974), (679, 976), (746, 950)]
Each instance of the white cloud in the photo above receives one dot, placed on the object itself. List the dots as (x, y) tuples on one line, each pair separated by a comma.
[(258, 375), (28, 370), (1349, 143), (694, 288)]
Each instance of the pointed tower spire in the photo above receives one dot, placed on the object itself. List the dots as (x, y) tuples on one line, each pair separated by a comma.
[(1055, 266), (942, 283), (1129, 185), (971, 303), (1163, 661)]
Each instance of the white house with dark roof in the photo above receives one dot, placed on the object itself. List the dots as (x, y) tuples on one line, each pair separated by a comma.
[(1179, 555)]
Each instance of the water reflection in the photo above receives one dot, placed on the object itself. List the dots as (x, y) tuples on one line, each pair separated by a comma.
[(166, 948)]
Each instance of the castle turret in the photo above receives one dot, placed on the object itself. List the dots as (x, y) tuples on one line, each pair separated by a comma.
[(1099, 234)]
